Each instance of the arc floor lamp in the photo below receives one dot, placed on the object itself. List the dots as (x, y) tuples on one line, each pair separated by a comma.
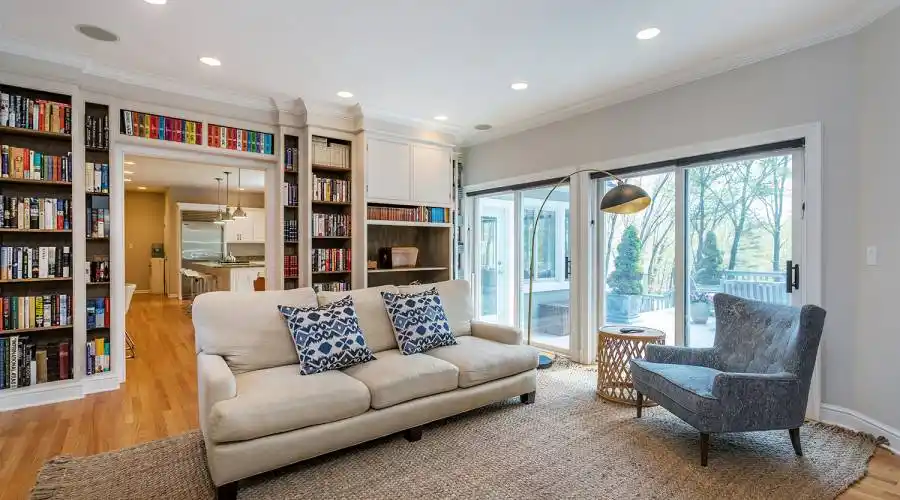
[(624, 198)]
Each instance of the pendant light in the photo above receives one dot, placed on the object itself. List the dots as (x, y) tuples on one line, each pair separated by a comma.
[(227, 217), (219, 219), (239, 213)]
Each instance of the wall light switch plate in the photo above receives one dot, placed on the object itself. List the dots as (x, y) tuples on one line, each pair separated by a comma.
[(872, 256)]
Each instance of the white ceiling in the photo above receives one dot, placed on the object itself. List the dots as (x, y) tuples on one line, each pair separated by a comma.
[(414, 59), (157, 175)]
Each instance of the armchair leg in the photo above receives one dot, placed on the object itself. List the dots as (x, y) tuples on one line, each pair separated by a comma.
[(413, 435), (704, 448), (640, 403), (227, 491), (795, 440)]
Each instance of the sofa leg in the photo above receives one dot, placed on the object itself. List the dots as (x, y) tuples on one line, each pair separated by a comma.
[(704, 448), (528, 398), (227, 491), (640, 403), (413, 435), (795, 440)]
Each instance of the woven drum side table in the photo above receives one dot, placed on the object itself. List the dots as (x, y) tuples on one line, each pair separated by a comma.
[(614, 350)]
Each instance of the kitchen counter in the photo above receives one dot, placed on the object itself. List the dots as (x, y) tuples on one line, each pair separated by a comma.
[(219, 265), (237, 277)]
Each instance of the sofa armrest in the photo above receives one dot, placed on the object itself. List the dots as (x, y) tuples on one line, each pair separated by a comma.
[(498, 333), (215, 382), (680, 355)]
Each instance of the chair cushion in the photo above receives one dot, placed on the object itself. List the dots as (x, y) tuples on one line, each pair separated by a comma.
[(481, 360), (419, 321), (689, 386), (327, 337), (373, 318), (280, 399), (456, 297), (394, 378)]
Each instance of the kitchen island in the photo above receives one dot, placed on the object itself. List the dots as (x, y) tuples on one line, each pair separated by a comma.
[(235, 277)]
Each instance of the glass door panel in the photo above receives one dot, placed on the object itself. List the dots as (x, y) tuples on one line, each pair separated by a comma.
[(639, 258), (496, 258), (550, 323), (739, 236)]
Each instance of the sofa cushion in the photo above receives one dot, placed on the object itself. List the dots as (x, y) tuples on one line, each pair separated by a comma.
[(419, 321), (327, 337), (373, 318), (280, 399), (457, 299), (246, 328), (481, 360), (689, 386), (395, 378)]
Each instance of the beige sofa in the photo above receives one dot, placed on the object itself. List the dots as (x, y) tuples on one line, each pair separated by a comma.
[(257, 412)]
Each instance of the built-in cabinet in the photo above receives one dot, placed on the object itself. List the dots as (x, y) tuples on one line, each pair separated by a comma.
[(405, 172), (251, 229)]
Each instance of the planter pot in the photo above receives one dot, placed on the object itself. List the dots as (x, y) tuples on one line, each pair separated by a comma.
[(699, 313), (622, 308)]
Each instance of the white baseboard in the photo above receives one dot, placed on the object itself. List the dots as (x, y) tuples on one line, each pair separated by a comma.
[(844, 417), (100, 383), (142, 291)]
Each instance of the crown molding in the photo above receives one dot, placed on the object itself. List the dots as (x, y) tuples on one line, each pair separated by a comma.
[(662, 82)]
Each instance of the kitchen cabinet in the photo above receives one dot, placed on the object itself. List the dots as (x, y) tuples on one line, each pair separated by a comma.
[(249, 230), (432, 175), (388, 170), (258, 218), (242, 278)]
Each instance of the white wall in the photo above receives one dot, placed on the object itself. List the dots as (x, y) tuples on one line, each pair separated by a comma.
[(817, 84)]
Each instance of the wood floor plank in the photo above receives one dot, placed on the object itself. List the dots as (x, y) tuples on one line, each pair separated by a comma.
[(159, 400)]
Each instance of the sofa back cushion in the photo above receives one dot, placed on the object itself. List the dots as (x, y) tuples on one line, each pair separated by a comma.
[(246, 328), (457, 300), (373, 317)]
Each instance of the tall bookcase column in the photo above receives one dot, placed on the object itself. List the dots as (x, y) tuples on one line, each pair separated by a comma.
[(291, 210), (331, 213)]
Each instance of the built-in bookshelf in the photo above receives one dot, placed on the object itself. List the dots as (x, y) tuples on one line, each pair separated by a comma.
[(428, 229), (98, 224), (36, 286), (238, 139), (163, 128), (290, 191), (331, 212)]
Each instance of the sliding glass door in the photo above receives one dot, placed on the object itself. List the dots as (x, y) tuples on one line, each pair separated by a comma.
[(495, 260)]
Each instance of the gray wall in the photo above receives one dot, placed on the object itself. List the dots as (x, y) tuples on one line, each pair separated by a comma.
[(818, 84)]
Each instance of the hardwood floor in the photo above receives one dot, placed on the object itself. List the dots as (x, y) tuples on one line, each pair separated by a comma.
[(159, 399)]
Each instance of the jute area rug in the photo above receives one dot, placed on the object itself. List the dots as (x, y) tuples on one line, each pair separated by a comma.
[(567, 445)]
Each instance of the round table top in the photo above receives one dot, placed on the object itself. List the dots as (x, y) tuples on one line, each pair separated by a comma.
[(644, 334)]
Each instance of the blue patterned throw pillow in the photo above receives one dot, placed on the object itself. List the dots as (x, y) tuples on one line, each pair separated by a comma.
[(327, 337), (419, 321)]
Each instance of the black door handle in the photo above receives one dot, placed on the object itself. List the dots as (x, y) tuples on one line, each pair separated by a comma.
[(792, 277)]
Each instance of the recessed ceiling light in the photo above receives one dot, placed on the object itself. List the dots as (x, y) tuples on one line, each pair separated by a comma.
[(156, 2), (127, 180), (129, 163), (648, 33), (97, 33), (519, 86), (210, 61), (241, 189), (440, 118), (142, 187), (483, 126), (344, 94), (128, 172)]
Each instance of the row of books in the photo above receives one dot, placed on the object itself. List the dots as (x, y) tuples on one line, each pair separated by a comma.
[(239, 139), (291, 230), (326, 260), (417, 214), (19, 263), (164, 128), (97, 352), (332, 286), (291, 266), (35, 114), (98, 313), (24, 163), (97, 270), (24, 363), (290, 194), (98, 223), (328, 189), (96, 131), (291, 159), (330, 154), (96, 177), (37, 311), (330, 224), (36, 213)]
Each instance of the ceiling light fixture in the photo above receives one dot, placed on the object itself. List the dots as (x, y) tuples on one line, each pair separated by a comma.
[(127, 180), (344, 94), (142, 188), (483, 126), (156, 2), (227, 217), (210, 61), (239, 212), (129, 162), (97, 33), (648, 33), (440, 118), (519, 86), (128, 172), (219, 218)]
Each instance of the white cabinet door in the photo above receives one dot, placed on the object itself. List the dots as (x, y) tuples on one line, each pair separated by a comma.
[(432, 174), (232, 232), (388, 170), (257, 218), (242, 279)]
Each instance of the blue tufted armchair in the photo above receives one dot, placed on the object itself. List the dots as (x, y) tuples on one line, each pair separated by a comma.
[(755, 377)]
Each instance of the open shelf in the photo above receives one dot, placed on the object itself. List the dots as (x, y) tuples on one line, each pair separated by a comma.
[(407, 223), (337, 203), (14, 180), (34, 280), (331, 272), (331, 237), (97, 283), (36, 329), (35, 133), (329, 168), (14, 230), (407, 269)]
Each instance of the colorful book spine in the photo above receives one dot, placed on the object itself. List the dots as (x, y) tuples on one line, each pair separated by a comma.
[(35, 114)]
